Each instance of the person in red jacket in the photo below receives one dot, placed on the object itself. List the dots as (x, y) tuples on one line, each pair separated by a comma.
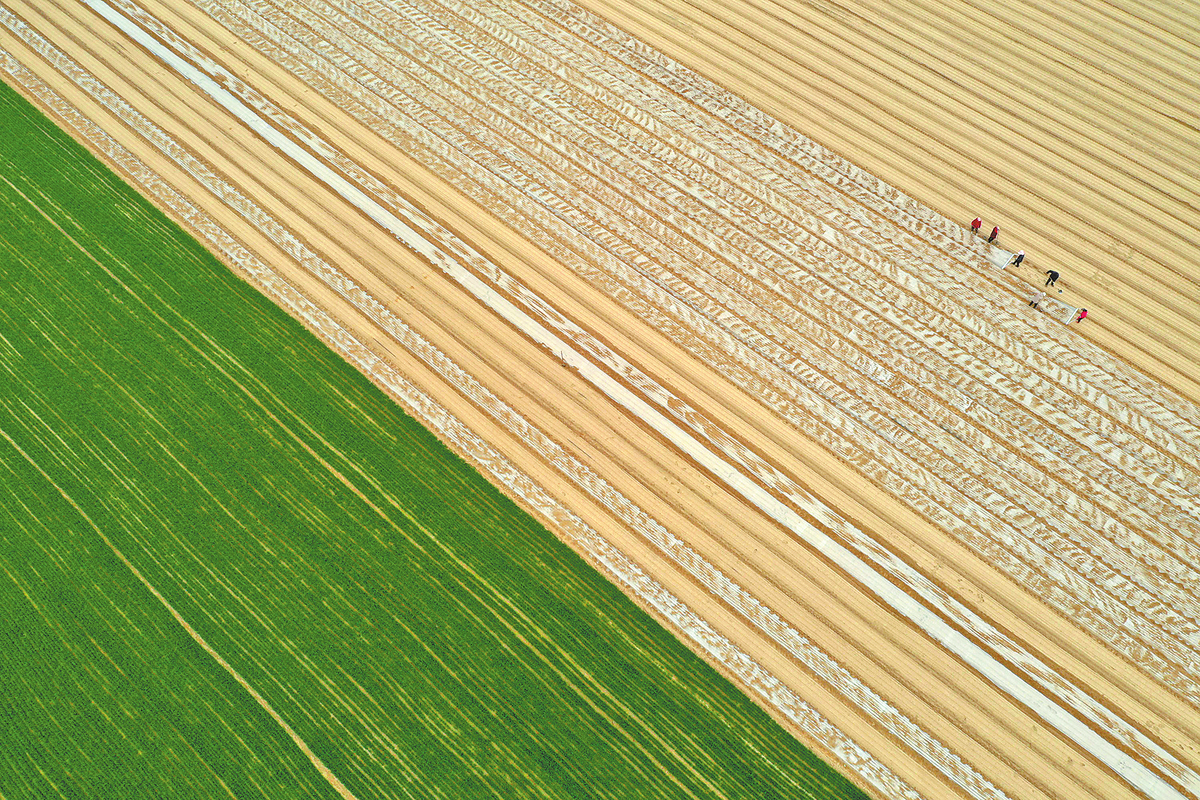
[(975, 223), (1081, 315), (995, 233)]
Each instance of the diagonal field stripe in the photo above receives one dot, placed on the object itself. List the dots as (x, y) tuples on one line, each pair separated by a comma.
[(313, 758), (612, 562), (728, 459), (608, 559)]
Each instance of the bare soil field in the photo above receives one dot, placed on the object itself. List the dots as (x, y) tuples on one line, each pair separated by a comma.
[(776, 390), (1072, 125)]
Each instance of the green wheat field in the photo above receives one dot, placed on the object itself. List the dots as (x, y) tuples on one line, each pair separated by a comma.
[(163, 425)]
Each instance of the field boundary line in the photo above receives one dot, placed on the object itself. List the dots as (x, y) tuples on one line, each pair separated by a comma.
[(731, 461), (1139, 605), (780, 700), (1100, 614)]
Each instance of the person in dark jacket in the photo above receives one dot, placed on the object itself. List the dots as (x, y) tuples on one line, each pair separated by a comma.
[(1020, 257), (1053, 277)]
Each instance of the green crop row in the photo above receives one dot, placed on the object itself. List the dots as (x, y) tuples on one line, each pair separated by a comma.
[(163, 425)]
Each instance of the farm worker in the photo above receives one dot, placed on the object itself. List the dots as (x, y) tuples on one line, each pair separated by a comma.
[(1080, 316), (1020, 257), (975, 223), (1036, 298), (995, 233), (1053, 277)]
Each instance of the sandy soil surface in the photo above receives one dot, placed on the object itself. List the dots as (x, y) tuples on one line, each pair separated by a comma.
[(1070, 124), (947, 539)]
